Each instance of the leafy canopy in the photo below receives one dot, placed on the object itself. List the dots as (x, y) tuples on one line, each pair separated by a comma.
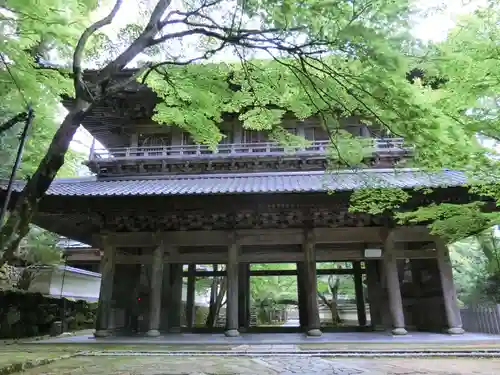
[(329, 59), (33, 33), (468, 62), (346, 58)]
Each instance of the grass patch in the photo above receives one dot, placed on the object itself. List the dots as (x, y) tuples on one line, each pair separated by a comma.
[(59, 349), (9, 358), (150, 365)]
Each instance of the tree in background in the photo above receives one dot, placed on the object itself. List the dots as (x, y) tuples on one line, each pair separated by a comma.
[(38, 248), (331, 60), (330, 287), (270, 294), (218, 297), (476, 263)]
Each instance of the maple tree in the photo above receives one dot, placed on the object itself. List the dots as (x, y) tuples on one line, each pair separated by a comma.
[(329, 59), (468, 62)]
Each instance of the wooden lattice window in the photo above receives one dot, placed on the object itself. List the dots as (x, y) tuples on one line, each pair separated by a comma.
[(315, 133), (228, 139), (154, 140), (253, 136), (187, 139)]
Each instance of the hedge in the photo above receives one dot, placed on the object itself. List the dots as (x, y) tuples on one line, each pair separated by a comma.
[(24, 314)]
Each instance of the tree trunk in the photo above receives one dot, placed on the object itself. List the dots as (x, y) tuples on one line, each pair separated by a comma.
[(213, 295), (220, 296), (17, 224), (216, 300)]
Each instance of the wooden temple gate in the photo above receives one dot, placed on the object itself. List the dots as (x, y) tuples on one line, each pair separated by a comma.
[(165, 253)]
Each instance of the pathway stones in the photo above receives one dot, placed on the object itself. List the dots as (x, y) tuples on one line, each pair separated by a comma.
[(309, 365), (277, 365), (266, 348)]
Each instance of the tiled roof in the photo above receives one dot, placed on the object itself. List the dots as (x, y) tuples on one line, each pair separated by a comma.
[(277, 182)]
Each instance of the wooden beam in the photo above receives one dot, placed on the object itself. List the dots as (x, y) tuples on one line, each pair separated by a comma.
[(348, 235), (270, 236), (321, 271), (338, 255), (268, 257), (83, 258), (416, 254), (255, 237), (416, 233)]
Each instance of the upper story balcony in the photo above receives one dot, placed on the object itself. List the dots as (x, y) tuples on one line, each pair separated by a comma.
[(257, 156)]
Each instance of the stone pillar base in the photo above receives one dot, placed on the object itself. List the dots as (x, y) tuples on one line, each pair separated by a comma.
[(232, 333), (101, 333), (399, 331), (153, 333), (455, 331), (314, 333)]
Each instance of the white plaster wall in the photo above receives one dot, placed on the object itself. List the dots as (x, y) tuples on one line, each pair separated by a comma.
[(78, 284)]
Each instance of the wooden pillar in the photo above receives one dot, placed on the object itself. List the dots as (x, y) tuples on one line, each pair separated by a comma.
[(418, 311), (301, 296), (155, 295), (313, 326), (393, 290), (244, 279), (232, 290), (360, 298), (374, 294), (166, 298), (190, 298), (176, 295), (248, 299), (106, 291), (248, 296), (453, 318)]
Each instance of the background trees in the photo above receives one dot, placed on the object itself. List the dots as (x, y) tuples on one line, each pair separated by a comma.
[(476, 263)]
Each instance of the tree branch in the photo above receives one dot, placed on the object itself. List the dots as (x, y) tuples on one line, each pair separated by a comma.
[(80, 48), (323, 298), (186, 15), (138, 45), (13, 121), (206, 55)]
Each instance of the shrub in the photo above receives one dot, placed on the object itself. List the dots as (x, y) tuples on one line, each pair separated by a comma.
[(25, 314)]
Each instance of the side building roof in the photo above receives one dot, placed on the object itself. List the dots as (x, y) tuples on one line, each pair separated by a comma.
[(245, 183)]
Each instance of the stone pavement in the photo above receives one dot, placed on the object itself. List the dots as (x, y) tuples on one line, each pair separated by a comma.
[(278, 338), (291, 323), (161, 365)]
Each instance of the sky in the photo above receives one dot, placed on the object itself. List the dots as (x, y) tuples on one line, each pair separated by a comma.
[(434, 27)]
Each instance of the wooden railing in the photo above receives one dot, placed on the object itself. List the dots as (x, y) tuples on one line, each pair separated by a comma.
[(374, 145)]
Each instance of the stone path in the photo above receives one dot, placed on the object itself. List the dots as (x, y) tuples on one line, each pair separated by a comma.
[(305, 365), (291, 323), (266, 348), (278, 338), (161, 365)]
